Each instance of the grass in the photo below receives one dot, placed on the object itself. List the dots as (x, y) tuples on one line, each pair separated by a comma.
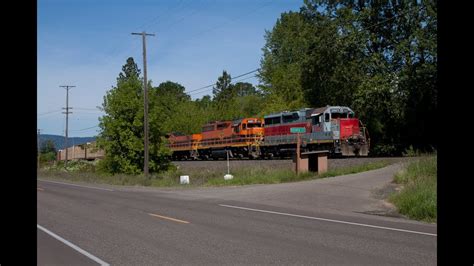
[(417, 198), (85, 172)]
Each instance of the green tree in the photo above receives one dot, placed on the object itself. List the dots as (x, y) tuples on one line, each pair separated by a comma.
[(204, 102), (129, 70), (283, 55), (223, 89), (380, 58), (241, 89), (176, 110), (47, 151), (122, 134), (47, 146), (173, 90)]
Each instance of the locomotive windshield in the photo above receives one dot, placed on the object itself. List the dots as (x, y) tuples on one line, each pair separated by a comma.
[(249, 125), (338, 115), (342, 115)]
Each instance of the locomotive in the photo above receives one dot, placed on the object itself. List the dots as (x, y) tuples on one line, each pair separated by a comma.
[(237, 138), (333, 128)]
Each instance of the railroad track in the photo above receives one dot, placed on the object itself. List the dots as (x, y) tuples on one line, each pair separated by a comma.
[(218, 165)]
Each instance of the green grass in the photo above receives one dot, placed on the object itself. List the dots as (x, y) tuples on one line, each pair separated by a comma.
[(417, 199), (85, 172)]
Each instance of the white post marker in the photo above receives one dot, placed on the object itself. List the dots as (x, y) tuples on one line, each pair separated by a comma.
[(228, 176), (184, 179)]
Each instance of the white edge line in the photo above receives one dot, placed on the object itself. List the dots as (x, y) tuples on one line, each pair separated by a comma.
[(328, 220), (80, 250), (74, 185)]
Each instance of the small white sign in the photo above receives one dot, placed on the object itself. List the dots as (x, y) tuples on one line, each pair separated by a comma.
[(228, 177), (184, 179)]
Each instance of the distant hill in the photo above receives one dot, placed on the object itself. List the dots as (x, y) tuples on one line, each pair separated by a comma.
[(59, 140)]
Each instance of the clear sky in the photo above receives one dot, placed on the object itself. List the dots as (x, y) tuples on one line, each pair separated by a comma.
[(86, 42)]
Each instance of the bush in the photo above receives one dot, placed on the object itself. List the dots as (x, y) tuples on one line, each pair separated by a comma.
[(418, 197), (410, 152), (384, 150)]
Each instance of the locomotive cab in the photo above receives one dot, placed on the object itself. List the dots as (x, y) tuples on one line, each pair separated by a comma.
[(249, 127), (347, 132)]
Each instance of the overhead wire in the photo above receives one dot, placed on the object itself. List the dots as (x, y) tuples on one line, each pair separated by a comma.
[(349, 35), (211, 29), (75, 130), (227, 22), (213, 84), (233, 82), (55, 111)]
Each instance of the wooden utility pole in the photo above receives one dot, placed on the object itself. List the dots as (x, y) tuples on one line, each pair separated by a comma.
[(145, 99), (68, 87), (298, 157)]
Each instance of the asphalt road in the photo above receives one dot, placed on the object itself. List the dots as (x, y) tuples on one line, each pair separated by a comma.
[(313, 222), (54, 252)]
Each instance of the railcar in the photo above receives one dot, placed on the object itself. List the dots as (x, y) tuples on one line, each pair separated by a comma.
[(237, 138), (333, 128)]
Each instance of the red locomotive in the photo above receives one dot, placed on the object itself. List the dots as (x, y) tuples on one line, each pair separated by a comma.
[(332, 128)]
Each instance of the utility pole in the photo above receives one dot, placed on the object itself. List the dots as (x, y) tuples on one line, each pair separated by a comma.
[(145, 99), (298, 157), (68, 87), (39, 147)]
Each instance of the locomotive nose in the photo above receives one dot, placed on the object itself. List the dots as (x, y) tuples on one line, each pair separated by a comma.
[(257, 131)]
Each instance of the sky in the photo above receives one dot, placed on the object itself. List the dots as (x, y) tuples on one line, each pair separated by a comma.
[(85, 43)]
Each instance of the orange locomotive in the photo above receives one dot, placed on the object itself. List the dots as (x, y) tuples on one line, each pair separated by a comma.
[(241, 138)]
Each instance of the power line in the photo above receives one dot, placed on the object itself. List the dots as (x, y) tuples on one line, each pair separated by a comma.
[(233, 82), (81, 108), (85, 128), (213, 84), (153, 20), (225, 23), (89, 111), (169, 25), (116, 51), (354, 34), (55, 111)]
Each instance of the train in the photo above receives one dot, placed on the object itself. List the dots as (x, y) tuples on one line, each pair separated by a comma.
[(332, 128)]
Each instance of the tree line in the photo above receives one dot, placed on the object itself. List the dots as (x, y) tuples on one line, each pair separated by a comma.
[(379, 58)]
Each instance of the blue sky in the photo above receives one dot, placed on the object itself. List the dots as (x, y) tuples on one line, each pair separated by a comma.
[(86, 42)]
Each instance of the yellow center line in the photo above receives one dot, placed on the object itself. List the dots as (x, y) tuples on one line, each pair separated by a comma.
[(168, 218), (38, 188)]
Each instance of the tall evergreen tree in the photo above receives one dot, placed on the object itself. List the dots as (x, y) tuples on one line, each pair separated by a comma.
[(223, 89)]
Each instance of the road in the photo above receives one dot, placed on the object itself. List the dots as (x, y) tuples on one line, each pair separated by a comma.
[(323, 221)]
